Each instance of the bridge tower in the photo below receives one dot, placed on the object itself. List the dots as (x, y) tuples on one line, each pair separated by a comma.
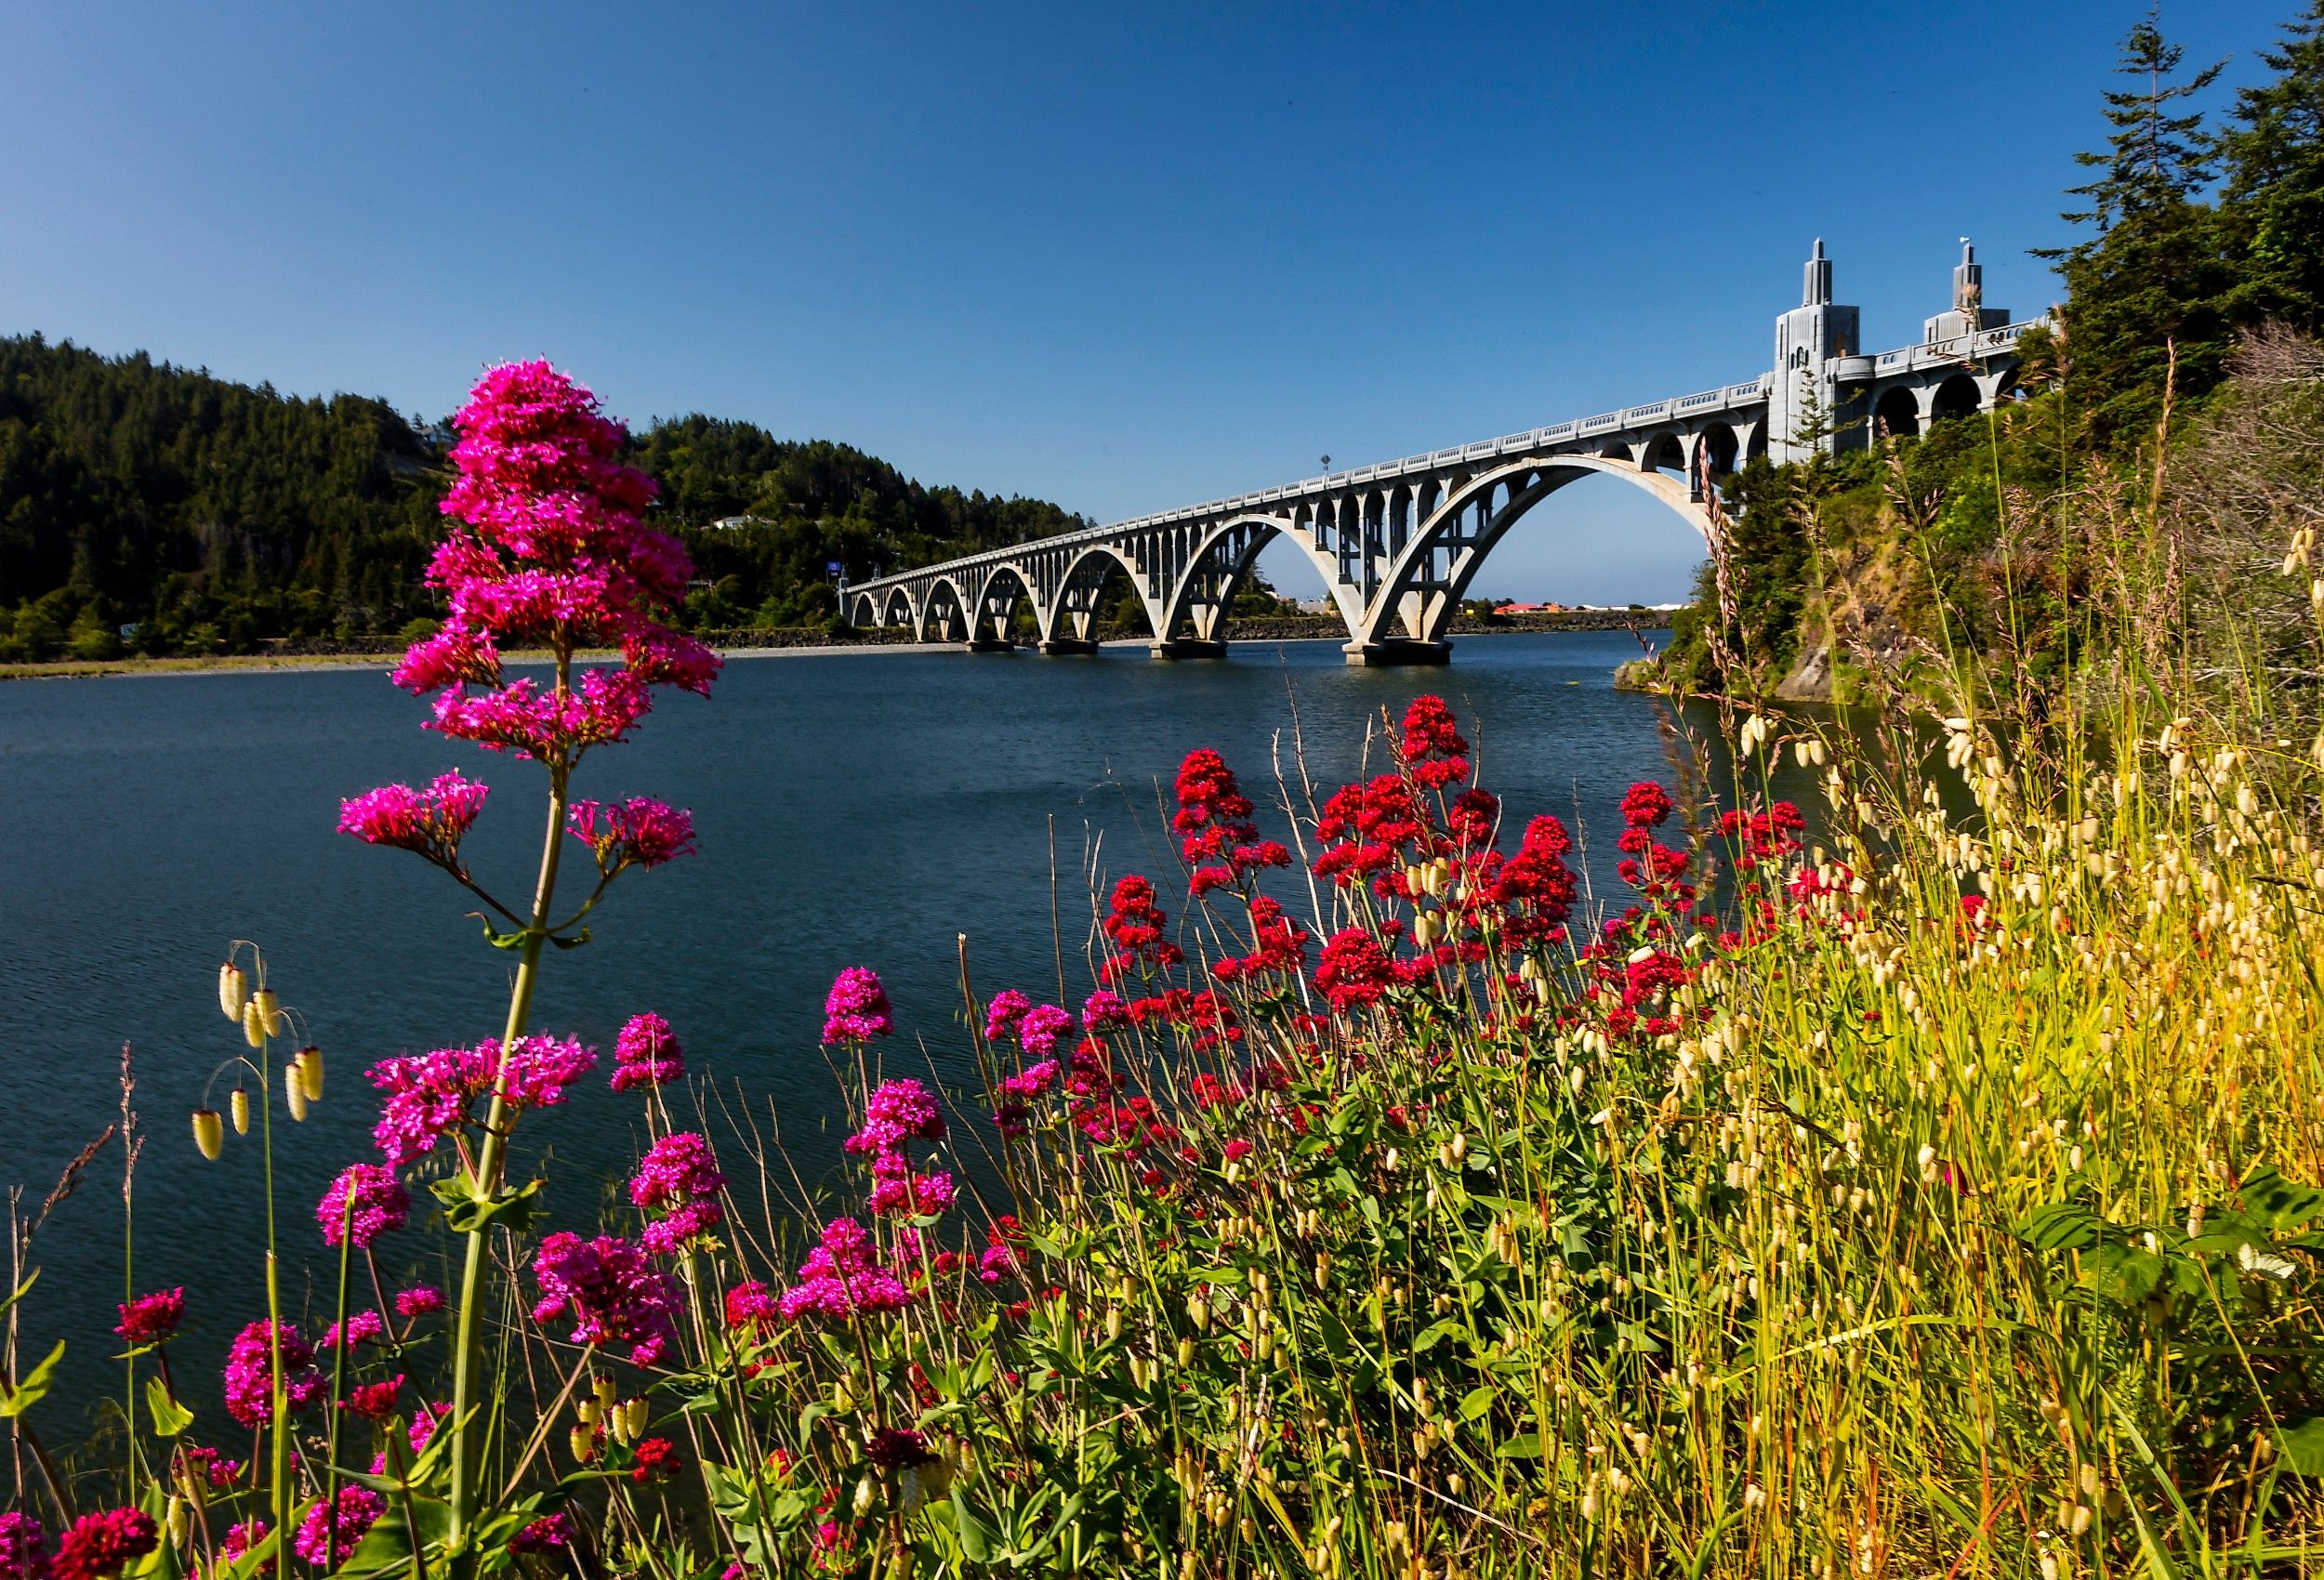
[(1804, 413)]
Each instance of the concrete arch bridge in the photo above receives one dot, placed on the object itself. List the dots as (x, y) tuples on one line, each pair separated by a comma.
[(1398, 543)]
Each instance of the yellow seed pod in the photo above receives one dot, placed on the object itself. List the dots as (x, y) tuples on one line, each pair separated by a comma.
[(1198, 1312), (311, 1071), (271, 1012), (635, 1417), (253, 1024), (583, 1440), (209, 1132), (590, 1412), (177, 1520), (606, 1393), (1185, 1352), (239, 1105), (295, 1097), (233, 990)]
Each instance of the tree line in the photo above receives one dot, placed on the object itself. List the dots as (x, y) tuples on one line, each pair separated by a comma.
[(154, 509)]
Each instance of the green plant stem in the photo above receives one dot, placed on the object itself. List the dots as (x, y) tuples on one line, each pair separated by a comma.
[(339, 1387), (490, 1159)]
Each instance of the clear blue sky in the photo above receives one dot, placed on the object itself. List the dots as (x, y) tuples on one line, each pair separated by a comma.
[(1123, 257)]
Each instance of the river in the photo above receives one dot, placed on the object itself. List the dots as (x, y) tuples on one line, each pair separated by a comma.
[(851, 808)]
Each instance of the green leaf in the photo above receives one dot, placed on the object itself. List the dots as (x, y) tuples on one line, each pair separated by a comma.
[(169, 1416), (2302, 1446), (575, 941), (2063, 1226), (32, 1386), (2277, 1202), (499, 939), (466, 1212), (21, 1291), (1526, 1445), (2123, 1274), (976, 1537), (1477, 1401)]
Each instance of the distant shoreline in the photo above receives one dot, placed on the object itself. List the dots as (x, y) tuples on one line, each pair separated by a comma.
[(326, 663)]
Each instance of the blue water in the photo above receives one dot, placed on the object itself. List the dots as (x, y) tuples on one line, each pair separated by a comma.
[(853, 809)]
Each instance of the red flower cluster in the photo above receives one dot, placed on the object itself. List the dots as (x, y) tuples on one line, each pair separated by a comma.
[(1533, 889), (1213, 822), (1651, 868), (655, 1459), (97, 1546), (1134, 922), (1281, 946), (1432, 749), (150, 1319), (1354, 971), (1366, 829)]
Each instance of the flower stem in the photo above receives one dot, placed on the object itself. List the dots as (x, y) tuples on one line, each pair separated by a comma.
[(491, 1158)]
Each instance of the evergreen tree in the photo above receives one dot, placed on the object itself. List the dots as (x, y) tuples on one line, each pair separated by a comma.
[(2272, 200), (2153, 282)]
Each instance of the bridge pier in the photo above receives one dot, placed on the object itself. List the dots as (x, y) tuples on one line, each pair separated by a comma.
[(1187, 647), (1058, 647), (1397, 650), (991, 644)]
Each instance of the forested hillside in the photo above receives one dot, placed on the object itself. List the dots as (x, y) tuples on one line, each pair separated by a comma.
[(156, 509)]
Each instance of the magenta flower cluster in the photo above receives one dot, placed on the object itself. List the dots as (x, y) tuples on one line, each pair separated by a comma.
[(432, 821), (549, 545), (678, 1182), (366, 1201), (429, 1094), (610, 1291), (899, 1110), (636, 832), (842, 1276), (150, 1319), (646, 1054), (23, 1547), (360, 1327), (250, 1372), (856, 1008), (356, 1512)]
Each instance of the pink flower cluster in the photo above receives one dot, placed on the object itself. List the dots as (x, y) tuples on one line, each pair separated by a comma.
[(856, 1008), (360, 1327), (420, 1300), (678, 1181), (23, 1547), (842, 1276), (610, 1289), (899, 1110), (432, 821), (250, 1372), (549, 545), (97, 1546), (150, 1319), (646, 1054), (429, 1094), (636, 832), (322, 1535), (366, 1201)]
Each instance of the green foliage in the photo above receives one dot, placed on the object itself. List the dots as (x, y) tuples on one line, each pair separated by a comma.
[(214, 518)]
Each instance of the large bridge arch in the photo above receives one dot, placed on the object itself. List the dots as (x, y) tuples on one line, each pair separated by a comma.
[(1420, 590), (898, 611), (1071, 625), (993, 614), (944, 612), (1192, 622)]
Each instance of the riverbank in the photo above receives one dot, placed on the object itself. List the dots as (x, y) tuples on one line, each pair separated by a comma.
[(808, 643)]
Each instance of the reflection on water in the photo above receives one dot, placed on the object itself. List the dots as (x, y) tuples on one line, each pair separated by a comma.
[(856, 808)]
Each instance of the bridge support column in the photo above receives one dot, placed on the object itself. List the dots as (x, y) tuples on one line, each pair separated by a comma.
[(1397, 650), (991, 644), (1059, 646), (1188, 647)]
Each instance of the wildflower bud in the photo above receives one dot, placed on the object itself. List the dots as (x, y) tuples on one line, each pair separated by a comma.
[(295, 1097), (253, 1024), (1114, 1324), (1394, 1158), (866, 1495), (1185, 1352), (1459, 1145), (310, 1066), (209, 1132), (2079, 1523), (233, 990), (583, 1440)]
